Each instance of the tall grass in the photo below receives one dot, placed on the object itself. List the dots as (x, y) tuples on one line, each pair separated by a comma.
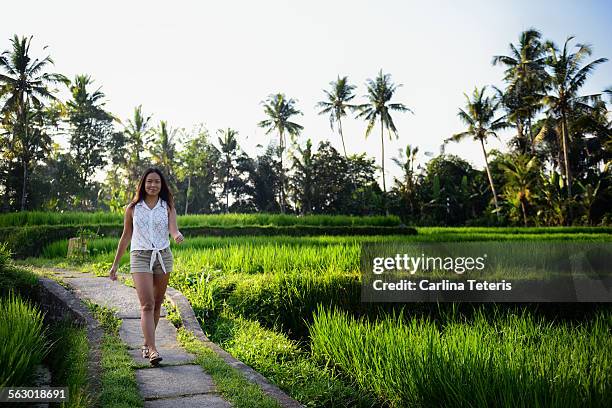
[(21, 218), (201, 220), (514, 230), (104, 247), (283, 362), (279, 281), (23, 343), (504, 360), (68, 359)]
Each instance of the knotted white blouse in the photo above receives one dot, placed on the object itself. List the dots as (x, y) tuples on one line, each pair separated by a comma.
[(150, 229)]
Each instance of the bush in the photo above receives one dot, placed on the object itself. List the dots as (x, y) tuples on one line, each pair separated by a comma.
[(23, 343), (5, 255), (12, 278)]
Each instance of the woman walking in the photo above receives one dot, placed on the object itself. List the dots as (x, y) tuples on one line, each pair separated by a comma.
[(148, 220)]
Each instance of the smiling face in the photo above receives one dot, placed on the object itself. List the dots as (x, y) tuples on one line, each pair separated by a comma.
[(153, 184)]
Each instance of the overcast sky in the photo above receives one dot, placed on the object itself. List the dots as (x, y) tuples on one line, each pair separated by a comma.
[(190, 62)]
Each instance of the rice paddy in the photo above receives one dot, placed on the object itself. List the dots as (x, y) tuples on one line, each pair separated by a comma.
[(305, 291), (204, 220)]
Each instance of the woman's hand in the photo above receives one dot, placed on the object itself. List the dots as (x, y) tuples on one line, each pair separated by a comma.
[(178, 238), (112, 274)]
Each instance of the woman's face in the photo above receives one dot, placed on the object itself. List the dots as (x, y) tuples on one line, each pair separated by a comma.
[(152, 184)]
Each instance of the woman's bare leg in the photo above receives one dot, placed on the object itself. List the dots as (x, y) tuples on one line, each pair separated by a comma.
[(144, 287), (160, 282)]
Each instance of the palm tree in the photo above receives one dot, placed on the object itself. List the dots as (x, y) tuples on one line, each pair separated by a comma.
[(407, 186), (478, 115), (137, 131), (521, 174), (229, 146), (26, 87), (380, 92), (568, 75), (279, 110), (608, 91), (526, 78), (337, 103), (88, 135), (164, 149), (304, 177)]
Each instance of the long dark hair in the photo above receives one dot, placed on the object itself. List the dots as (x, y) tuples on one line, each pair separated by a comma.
[(164, 193)]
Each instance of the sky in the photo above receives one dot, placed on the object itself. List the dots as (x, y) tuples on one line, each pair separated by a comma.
[(192, 62)]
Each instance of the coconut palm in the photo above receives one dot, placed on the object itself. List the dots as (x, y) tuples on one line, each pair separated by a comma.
[(380, 92), (163, 151), (337, 104), (279, 110), (137, 132), (229, 153), (25, 87), (526, 79), (90, 126), (478, 115), (568, 75)]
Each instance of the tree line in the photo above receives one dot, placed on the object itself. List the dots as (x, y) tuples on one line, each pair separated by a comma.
[(556, 170)]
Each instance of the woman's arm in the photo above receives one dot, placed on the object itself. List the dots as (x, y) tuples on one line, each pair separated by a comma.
[(173, 226), (126, 237)]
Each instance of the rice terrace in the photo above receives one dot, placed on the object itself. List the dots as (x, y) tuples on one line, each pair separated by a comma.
[(445, 241)]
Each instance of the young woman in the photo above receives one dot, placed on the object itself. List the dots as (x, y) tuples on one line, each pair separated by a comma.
[(149, 218)]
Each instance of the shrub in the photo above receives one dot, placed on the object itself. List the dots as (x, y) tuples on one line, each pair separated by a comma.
[(12, 278)]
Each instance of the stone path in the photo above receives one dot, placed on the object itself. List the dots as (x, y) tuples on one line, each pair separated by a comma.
[(178, 381)]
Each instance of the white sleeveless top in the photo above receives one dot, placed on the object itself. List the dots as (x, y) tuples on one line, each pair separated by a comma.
[(150, 229)]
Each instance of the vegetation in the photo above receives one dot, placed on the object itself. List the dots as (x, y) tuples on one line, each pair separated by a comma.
[(68, 359), (479, 118), (379, 106), (23, 342), (230, 383), (119, 388), (496, 359), (259, 297), (279, 110), (213, 220), (283, 362), (289, 306), (13, 279), (555, 170)]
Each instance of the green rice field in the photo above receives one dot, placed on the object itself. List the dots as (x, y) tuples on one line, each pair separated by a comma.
[(208, 220), (290, 307)]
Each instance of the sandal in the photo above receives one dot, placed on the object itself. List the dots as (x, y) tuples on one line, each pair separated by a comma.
[(154, 358), (145, 351)]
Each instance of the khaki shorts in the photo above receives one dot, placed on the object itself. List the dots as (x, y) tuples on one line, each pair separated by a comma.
[(140, 261)]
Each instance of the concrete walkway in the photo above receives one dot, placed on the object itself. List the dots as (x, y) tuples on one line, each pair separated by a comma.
[(178, 381)]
